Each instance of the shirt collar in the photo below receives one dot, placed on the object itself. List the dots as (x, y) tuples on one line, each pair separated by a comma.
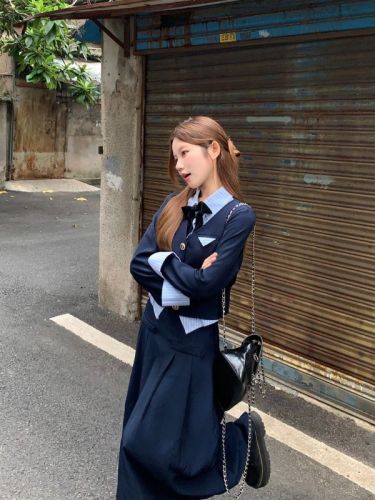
[(215, 201)]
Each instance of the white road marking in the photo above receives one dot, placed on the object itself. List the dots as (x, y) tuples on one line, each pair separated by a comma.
[(354, 470), (97, 338)]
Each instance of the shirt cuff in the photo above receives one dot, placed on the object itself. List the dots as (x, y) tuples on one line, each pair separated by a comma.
[(156, 260), (170, 296)]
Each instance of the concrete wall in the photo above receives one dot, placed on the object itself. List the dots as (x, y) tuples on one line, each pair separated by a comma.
[(6, 77), (122, 87), (53, 138), (83, 138), (38, 151)]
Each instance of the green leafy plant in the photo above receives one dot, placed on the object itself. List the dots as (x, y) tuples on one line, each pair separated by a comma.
[(46, 52)]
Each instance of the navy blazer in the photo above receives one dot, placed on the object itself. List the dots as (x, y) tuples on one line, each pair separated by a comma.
[(181, 267)]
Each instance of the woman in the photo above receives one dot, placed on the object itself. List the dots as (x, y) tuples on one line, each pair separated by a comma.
[(171, 440)]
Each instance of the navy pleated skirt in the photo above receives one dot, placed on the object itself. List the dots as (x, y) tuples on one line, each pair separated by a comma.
[(171, 438)]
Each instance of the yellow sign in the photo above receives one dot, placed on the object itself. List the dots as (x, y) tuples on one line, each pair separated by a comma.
[(228, 37)]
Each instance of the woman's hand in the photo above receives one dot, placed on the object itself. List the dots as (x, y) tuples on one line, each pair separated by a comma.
[(209, 260)]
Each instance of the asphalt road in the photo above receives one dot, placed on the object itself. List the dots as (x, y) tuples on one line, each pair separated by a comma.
[(61, 399)]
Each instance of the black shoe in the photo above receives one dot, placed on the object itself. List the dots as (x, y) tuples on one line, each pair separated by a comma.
[(258, 473)]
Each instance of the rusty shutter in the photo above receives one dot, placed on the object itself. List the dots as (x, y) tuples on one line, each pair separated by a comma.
[(303, 116)]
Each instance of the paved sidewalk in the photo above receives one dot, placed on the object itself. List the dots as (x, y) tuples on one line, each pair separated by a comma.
[(49, 186)]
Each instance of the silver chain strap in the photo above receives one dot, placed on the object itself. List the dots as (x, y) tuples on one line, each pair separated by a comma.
[(259, 378)]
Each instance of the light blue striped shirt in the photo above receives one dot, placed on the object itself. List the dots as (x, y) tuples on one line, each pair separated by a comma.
[(170, 295)]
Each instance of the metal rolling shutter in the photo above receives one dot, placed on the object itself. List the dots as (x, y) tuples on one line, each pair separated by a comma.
[(303, 116)]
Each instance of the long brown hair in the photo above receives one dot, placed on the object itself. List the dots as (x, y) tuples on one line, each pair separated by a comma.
[(198, 130)]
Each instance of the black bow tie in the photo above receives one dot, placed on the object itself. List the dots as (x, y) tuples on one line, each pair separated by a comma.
[(195, 212)]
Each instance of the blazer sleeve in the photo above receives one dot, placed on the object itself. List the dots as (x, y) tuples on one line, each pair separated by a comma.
[(201, 283), (162, 291)]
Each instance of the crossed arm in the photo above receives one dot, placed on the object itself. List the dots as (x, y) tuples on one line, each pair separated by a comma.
[(172, 282), (160, 288)]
